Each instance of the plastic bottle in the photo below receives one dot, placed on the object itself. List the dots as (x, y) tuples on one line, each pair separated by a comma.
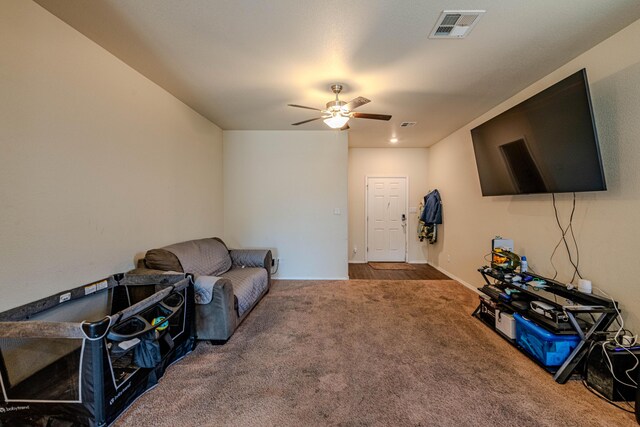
[(523, 264)]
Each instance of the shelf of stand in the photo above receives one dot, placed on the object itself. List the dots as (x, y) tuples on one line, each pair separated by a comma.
[(551, 370), (552, 286), (539, 319)]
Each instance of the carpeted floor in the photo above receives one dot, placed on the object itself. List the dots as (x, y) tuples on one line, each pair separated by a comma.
[(365, 353)]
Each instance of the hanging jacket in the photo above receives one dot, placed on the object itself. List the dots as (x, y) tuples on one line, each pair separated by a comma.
[(432, 213), (422, 227)]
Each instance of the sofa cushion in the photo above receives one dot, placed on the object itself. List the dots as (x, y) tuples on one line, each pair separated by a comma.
[(248, 284), (203, 257), (162, 259)]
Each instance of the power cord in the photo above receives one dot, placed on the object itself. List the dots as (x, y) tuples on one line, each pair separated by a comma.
[(624, 345), (563, 239), (575, 242), (611, 402), (595, 392), (605, 353)]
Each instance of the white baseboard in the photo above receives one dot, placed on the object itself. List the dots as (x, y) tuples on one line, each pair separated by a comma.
[(457, 279), (310, 278), (408, 262)]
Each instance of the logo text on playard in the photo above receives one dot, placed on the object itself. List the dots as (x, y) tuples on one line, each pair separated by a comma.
[(13, 408)]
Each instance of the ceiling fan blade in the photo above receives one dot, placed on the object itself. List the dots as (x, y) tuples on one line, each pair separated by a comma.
[(305, 121), (345, 127), (371, 116), (302, 106), (357, 102)]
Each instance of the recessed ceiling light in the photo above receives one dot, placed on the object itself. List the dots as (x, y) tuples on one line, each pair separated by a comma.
[(393, 140)]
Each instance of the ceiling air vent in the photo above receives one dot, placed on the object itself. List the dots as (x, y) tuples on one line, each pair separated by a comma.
[(455, 24), (407, 124)]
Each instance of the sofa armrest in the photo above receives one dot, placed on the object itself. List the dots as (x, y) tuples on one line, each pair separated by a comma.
[(251, 258), (218, 319)]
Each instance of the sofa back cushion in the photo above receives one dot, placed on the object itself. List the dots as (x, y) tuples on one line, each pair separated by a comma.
[(203, 257)]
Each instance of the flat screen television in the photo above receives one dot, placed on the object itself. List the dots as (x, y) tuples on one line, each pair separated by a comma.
[(546, 144)]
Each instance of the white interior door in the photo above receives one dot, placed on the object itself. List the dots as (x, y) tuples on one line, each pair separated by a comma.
[(386, 218)]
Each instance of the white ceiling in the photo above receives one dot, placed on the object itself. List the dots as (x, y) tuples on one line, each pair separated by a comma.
[(239, 62)]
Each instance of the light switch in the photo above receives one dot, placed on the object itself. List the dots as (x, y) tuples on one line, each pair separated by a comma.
[(336, 211), (413, 209)]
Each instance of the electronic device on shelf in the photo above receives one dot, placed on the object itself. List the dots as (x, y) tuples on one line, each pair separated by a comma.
[(541, 307), (521, 305), (547, 310), (502, 255), (491, 290), (607, 373)]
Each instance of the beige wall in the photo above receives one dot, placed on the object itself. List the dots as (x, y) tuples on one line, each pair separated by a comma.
[(280, 192), (410, 162), (97, 163), (606, 223)]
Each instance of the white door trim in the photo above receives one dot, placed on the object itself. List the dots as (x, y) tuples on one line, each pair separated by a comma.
[(366, 213)]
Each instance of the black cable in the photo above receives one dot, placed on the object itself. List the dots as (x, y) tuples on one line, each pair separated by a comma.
[(617, 319), (575, 242), (570, 228), (564, 232), (555, 270), (555, 249), (584, 383), (592, 345)]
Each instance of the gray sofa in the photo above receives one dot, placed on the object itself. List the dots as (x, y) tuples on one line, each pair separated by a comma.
[(241, 278)]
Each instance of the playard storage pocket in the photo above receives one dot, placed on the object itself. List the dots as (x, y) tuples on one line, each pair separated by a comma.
[(74, 358)]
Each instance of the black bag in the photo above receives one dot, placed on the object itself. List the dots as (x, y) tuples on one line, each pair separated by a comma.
[(147, 353)]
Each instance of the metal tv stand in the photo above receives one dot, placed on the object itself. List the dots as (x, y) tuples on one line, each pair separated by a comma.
[(575, 312)]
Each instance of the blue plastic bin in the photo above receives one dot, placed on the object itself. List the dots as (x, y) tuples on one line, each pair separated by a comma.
[(550, 349)]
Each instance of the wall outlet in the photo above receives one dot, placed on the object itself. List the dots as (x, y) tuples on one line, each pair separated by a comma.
[(355, 249), (448, 257)]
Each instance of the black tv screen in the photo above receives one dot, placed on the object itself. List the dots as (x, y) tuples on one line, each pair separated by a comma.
[(546, 144)]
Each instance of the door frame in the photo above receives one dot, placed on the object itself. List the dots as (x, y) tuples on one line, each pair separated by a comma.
[(366, 213)]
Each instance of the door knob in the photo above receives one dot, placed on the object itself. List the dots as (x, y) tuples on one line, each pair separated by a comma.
[(404, 217)]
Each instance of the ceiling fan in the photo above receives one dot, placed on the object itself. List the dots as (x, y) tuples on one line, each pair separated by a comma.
[(338, 113)]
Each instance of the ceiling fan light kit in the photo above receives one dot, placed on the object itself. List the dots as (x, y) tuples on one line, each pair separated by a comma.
[(337, 113), (337, 121)]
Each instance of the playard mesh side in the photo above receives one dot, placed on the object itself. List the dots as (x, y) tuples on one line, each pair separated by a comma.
[(83, 356)]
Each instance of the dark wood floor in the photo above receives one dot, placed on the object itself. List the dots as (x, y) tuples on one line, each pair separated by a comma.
[(421, 272)]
